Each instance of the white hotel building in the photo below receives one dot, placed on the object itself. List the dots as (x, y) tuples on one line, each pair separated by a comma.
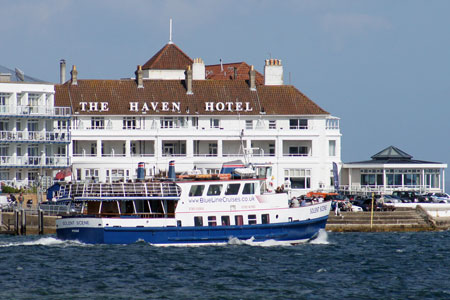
[(34, 133), (176, 108)]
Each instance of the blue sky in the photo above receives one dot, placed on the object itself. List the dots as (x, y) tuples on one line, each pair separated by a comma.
[(383, 67)]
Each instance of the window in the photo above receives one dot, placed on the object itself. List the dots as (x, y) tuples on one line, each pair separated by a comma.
[(3, 98), (212, 171), (4, 125), (32, 176), (265, 219), (272, 124), (33, 99), (214, 123), (214, 190), (249, 188), (198, 221), (271, 149), (91, 174), (239, 220), (212, 149), (248, 124), (61, 150), (299, 178), (129, 123), (225, 220), (298, 151), (170, 122), (196, 190), (298, 124), (233, 189), (212, 221), (251, 219), (195, 122), (4, 175), (61, 124), (33, 125), (332, 148), (98, 123)]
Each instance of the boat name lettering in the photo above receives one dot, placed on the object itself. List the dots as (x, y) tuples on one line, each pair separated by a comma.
[(80, 222), (317, 209), (221, 199)]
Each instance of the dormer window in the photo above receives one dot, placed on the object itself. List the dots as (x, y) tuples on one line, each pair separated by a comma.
[(298, 124)]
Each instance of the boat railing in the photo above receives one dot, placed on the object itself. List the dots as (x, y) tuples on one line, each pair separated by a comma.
[(119, 189), (130, 215)]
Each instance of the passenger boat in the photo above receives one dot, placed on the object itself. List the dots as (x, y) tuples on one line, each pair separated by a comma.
[(188, 211)]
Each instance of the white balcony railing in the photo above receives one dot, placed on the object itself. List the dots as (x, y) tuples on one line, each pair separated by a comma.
[(38, 110), (35, 136), (35, 161)]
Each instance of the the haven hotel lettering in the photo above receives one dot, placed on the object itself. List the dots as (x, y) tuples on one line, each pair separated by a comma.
[(168, 106)]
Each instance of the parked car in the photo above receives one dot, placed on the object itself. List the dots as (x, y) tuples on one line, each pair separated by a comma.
[(409, 196), (391, 199), (439, 197)]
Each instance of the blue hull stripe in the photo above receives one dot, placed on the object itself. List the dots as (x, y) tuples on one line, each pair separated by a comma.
[(297, 230)]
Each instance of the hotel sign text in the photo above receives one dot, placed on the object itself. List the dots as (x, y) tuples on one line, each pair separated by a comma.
[(168, 106)]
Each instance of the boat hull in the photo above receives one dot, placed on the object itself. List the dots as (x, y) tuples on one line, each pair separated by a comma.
[(288, 232)]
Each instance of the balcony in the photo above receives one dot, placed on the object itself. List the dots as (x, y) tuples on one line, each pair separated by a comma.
[(35, 111), (34, 161), (34, 137)]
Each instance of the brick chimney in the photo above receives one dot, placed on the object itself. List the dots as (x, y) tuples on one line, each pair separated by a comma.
[(74, 75), (188, 81), (273, 72), (139, 79), (252, 79), (198, 69)]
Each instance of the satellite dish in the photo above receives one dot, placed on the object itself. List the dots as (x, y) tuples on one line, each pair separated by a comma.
[(20, 74)]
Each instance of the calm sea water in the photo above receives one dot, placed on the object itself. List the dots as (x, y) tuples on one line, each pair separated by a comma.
[(334, 266)]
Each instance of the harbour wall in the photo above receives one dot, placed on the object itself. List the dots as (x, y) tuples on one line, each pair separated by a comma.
[(410, 217)]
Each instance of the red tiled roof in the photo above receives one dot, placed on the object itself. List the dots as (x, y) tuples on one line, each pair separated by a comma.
[(227, 72), (272, 100), (170, 57)]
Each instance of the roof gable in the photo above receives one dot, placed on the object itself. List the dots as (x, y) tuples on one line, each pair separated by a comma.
[(230, 71), (391, 152), (170, 57)]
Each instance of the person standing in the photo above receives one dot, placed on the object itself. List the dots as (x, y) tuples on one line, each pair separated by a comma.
[(20, 200)]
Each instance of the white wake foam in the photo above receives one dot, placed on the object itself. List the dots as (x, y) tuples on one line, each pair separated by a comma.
[(45, 241), (321, 239)]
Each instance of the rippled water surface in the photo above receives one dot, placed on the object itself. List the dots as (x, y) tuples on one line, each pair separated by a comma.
[(334, 266)]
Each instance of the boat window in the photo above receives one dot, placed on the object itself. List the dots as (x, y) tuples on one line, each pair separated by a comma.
[(251, 219), (249, 188), (214, 190), (110, 207), (142, 206), (126, 207), (239, 220), (212, 221), (265, 219), (233, 189), (196, 190), (198, 221), (225, 220)]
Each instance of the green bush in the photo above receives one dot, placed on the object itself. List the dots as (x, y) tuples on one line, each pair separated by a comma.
[(9, 189)]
